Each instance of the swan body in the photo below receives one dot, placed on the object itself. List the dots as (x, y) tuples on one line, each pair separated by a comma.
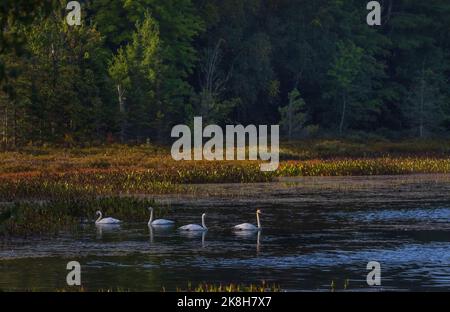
[(102, 220), (195, 227), (158, 222), (162, 222), (192, 227), (246, 227), (249, 226)]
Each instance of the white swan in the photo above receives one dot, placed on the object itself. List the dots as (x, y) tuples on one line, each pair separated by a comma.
[(158, 222), (102, 220), (195, 227), (249, 226)]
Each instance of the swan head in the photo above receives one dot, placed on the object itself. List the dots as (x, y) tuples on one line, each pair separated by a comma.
[(258, 211), (98, 212), (150, 208), (203, 215)]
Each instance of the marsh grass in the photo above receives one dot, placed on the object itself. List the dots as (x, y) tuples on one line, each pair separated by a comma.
[(232, 287), (364, 166), (102, 290), (52, 189), (111, 170), (175, 178), (31, 218), (334, 285), (203, 287), (363, 148)]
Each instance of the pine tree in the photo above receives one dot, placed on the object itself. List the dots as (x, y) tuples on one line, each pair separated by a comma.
[(293, 115), (344, 71), (135, 69)]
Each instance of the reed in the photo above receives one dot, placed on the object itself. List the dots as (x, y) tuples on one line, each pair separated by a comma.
[(364, 166), (232, 287), (45, 174), (54, 216)]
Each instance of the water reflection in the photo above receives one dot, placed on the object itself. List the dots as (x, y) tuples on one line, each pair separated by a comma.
[(311, 236), (248, 235), (195, 235), (163, 230), (106, 228)]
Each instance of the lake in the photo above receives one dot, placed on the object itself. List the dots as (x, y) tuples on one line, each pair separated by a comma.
[(316, 231)]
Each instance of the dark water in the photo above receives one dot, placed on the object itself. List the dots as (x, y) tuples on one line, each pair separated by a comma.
[(315, 232)]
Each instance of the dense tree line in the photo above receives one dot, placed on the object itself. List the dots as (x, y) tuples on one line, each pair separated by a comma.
[(133, 69)]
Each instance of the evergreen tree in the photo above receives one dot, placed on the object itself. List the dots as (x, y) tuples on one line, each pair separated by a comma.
[(344, 71), (425, 102), (293, 115), (135, 71)]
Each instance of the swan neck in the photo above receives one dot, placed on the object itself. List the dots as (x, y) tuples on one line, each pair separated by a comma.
[(99, 217), (257, 220), (151, 216), (203, 222)]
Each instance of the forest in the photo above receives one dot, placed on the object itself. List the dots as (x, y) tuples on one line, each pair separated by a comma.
[(135, 68), (109, 169)]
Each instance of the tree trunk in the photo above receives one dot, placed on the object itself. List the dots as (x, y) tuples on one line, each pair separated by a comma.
[(290, 120), (120, 93), (14, 126), (422, 99), (344, 107), (5, 129), (211, 83)]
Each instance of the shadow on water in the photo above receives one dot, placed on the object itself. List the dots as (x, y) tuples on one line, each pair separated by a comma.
[(311, 236)]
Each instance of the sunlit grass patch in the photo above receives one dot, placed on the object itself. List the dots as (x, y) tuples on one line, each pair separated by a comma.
[(50, 173), (364, 166)]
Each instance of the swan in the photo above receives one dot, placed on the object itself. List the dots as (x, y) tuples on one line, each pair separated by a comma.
[(249, 226), (158, 222), (195, 227), (101, 220)]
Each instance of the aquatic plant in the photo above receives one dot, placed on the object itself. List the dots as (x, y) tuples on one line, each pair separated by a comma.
[(362, 166), (232, 287), (30, 218), (204, 287), (345, 287), (56, 174)]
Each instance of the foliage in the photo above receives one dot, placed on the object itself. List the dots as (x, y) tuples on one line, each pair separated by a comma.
[(135, 71), (293, 117), (230, 61), (47, 174), (26, 218)]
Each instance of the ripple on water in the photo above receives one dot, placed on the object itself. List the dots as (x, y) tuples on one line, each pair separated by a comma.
[(309, 238)]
